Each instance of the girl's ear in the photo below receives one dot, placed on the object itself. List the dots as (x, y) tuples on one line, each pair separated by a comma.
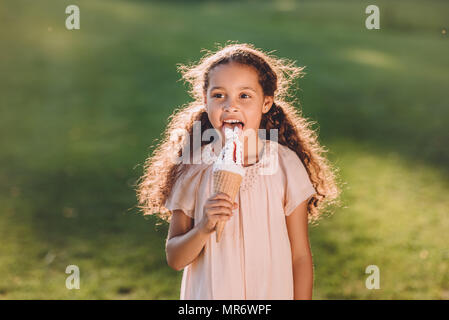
[(268, 102)]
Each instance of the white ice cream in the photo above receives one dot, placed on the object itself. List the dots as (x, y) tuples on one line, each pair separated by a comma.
[(225, 160)]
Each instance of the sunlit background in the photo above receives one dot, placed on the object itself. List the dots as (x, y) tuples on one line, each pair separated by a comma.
[(80, 111)]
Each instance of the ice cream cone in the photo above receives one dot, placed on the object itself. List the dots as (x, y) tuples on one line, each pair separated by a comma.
[(229, 183), (228, 171)]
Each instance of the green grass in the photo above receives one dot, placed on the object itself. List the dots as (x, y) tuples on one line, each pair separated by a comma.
[(80, 111)]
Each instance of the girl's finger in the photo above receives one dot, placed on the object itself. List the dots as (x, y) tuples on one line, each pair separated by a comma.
[(222, 217), (219, 210), (221, 195), (220, 203)]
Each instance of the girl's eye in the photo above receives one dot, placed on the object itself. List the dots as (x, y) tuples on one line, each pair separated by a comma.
[(220, 95)]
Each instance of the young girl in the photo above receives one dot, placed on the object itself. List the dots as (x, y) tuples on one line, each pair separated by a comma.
[(264, 251)]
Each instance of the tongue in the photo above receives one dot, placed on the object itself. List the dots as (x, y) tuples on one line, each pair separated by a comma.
[(232, 125)]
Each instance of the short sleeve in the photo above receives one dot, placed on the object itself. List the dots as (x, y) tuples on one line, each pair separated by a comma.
[(183, 194), (298, 186)]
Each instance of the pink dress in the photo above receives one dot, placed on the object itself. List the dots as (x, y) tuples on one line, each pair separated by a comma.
[(253, 259)]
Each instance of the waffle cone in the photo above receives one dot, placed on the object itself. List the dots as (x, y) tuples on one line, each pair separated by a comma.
[(229, 183)]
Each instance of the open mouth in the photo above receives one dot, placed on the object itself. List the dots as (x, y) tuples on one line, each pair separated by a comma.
[(232, 123)]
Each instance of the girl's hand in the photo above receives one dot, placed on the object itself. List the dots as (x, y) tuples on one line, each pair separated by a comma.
[(217, 208)]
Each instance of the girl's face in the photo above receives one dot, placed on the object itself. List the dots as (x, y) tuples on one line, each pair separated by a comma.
[(234, 93)]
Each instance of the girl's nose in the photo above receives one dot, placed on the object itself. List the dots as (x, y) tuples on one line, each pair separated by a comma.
[(230, 108)]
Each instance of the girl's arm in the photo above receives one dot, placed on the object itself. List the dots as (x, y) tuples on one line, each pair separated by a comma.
[(297, 226), (186, 241)]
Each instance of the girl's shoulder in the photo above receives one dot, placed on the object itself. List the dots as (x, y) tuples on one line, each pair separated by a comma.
[(288, 160), (191, 172), (185, 187), (298, 186)]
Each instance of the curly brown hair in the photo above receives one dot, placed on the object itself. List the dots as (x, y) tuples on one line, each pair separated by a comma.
[(276, 77)]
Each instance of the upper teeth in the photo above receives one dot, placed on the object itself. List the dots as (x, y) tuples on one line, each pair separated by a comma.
[(231, 121)]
